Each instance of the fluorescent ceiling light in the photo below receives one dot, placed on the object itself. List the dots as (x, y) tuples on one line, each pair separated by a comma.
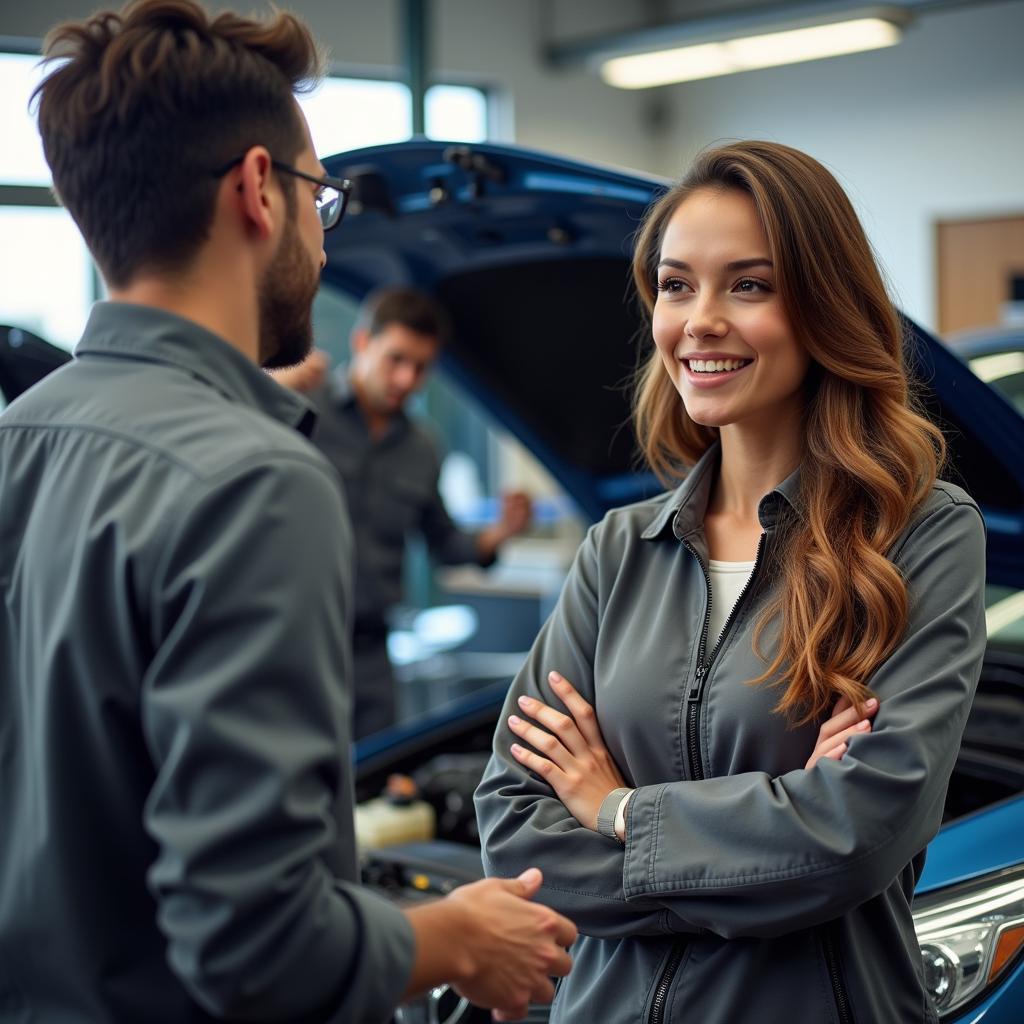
[(746, 53)]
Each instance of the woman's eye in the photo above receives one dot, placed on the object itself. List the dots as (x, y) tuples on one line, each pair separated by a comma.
[(751, 285), (671, 284)]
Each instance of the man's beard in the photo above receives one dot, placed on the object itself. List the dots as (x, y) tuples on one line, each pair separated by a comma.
[(286, 304)]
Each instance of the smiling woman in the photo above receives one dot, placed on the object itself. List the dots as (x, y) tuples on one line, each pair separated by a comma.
[(739, 724), (783, 276)]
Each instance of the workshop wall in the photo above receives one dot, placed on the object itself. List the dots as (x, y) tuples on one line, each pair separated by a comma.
[(928, 129)]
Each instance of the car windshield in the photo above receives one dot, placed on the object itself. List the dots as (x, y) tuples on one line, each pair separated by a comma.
[(1004, 617), (1005, 372), (990, 765)]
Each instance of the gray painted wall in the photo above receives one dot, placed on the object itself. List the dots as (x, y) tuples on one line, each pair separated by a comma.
[(932, 128)]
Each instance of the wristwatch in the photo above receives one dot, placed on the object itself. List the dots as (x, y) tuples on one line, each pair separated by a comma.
[(606, 813)]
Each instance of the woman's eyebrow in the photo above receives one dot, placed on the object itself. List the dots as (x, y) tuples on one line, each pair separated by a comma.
[(755, 261)]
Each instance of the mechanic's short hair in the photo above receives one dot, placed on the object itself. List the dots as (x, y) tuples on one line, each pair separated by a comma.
[(145, 104), (410, 307)]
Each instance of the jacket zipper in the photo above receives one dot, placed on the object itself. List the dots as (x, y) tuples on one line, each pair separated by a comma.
[(832, 963), (664, 984), (704, 663), (693, 740)]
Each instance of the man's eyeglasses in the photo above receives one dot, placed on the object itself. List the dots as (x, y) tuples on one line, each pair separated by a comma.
[(331, 197)]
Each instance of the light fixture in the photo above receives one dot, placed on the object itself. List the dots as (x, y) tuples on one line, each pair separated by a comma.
[(747, 45)]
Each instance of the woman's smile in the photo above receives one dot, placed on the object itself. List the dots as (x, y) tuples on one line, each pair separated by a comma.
[(712, 369)]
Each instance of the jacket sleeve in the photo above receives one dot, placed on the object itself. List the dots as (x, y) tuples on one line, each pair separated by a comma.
[(522, 821), (752, 855), (447, 544), (245, 713)]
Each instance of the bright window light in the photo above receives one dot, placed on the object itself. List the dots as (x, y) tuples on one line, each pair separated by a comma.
[(343, 113), (21, 151), (41, 246), (457, 113), (349, 113), (770, 49), (46, 272)]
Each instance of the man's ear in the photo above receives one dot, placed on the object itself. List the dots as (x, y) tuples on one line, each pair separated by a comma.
[(254, 185)]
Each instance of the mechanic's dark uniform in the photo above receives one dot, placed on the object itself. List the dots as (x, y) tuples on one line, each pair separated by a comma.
[(391, 486), (175, 780)]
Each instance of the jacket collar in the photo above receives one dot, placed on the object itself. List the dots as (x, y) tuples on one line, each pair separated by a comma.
[(685, 508), (148, 334)]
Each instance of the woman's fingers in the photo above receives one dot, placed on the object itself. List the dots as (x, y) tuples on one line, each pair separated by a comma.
[(561, 726), (840, 706), (845, 718), (543, 742), (547, 770), (581, 711), (835, 746), (860, 727)]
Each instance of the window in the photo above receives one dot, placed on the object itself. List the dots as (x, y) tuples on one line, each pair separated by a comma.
[(21, 156), (49, 281), (350, 113), (47, 273)]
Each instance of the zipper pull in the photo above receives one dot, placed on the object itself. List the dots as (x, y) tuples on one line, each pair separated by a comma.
[(698, 682)]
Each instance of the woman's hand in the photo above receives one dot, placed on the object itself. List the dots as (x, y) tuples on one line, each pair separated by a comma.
[(844, 723), (573, 759)]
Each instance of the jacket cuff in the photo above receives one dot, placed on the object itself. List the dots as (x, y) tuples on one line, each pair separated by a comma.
[(384, 960), (642, 814)]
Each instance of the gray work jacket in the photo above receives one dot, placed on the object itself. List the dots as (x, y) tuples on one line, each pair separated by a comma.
[(749, 889), (391, 488), (175, 780)]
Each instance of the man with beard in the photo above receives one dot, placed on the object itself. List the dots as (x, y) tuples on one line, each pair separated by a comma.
[(175, 773)]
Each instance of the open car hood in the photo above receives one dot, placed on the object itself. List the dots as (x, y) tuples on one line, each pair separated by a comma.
[(530, 254)]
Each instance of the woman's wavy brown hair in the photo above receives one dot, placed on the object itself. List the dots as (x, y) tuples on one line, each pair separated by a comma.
[(870, 457)]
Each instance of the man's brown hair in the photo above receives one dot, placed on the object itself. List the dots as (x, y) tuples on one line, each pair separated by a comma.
[(146, 105), (410, 307)]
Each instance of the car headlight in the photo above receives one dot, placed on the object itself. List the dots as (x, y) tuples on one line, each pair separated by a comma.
[(970, 935)]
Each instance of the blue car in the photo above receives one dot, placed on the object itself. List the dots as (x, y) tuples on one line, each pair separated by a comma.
[(530, 255)]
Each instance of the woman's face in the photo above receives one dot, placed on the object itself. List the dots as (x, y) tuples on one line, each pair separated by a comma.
[(719, 324)]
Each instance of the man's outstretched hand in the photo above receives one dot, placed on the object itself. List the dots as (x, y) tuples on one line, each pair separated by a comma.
[(493, 945)]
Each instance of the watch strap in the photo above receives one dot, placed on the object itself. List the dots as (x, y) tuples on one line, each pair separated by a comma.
[(606, 813)]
